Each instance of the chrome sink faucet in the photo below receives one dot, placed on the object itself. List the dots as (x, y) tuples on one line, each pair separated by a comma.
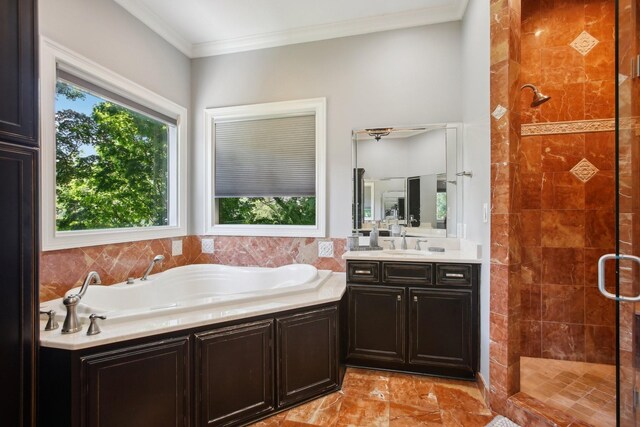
[(71, 323), (156, 259)]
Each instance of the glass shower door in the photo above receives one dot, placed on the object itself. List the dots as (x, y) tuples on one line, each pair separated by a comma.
[(625, 284)]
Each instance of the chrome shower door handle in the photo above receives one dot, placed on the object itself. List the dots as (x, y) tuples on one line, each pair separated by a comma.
[(601, 276)]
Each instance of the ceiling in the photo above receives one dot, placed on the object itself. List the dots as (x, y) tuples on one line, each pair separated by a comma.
[(214, 27)]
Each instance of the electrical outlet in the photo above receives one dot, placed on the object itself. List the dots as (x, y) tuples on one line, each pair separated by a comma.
[(176, 247), (325, 249), (207, 246)]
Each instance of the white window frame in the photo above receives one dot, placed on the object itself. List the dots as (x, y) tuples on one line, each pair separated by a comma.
[(317, 106), (52, 54)]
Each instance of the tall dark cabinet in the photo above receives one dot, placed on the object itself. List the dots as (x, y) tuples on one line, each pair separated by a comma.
[(19, 213)]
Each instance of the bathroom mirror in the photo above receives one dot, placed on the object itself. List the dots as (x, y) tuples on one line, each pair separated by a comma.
[(408, 176)]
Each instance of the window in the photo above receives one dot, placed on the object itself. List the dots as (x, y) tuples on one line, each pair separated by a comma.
[(265, 169), (112, 155)]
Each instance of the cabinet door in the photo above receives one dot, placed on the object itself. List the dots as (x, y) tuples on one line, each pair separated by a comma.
[(145, 385), (234, 373), (307, 355), (376, 324), (441, 330), (18, 72), (18, 284)]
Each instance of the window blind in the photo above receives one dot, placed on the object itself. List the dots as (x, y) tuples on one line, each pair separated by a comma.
[(273, 157), (112, 96)]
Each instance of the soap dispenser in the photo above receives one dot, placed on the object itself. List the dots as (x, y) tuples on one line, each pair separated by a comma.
[(373, 236)]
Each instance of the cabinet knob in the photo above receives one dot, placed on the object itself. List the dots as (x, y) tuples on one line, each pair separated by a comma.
[(415, 299), (399, 298)]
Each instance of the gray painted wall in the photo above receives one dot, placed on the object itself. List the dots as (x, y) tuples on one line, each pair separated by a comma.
[(401, 77), (477, 149), (104, 32)]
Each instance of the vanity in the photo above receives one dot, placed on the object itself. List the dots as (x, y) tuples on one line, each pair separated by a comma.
[(413, 311)]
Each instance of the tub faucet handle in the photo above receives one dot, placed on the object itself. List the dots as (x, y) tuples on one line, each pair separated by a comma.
[(93, 326), (51, 321)]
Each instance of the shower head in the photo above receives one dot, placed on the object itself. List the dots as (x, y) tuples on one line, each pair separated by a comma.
[(538, 97)]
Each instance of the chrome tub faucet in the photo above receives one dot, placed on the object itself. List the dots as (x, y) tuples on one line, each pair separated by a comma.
[(71, 323), (403, 242), (156, 259)]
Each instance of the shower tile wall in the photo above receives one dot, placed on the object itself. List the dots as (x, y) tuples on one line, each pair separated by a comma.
[(567, 179), (64, 269)]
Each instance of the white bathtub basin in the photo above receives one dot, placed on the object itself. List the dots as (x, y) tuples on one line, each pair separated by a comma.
[(192, 287)]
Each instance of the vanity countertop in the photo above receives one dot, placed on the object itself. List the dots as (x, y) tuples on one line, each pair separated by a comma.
[(456, 251), (332, 290)]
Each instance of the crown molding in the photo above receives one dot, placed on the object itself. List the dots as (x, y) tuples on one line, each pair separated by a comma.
[(352, 27), (394, 21), (157, 24)]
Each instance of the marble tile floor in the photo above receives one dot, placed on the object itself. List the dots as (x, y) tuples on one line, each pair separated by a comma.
[(372, 398), (586, 391)]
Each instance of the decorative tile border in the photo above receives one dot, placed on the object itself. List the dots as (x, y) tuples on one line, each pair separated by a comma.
[(580, 126)]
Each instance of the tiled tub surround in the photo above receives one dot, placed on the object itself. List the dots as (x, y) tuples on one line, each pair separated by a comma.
[(567, 160), (65, 269)]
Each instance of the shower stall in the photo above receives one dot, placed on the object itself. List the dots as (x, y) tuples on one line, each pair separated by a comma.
[(579, 175)]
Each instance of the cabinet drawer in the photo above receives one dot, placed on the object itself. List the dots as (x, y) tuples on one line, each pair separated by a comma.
[(407, 273), (453, 274), (363, 272)]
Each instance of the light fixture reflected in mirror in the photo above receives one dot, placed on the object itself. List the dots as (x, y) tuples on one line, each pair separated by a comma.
[(378, 133), (538, 97)]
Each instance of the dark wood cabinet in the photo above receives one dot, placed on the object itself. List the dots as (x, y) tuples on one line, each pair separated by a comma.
[(407, 273), (440, 332), (18, 72), (18, 283), (228, 374), (134, 386), (422, 317), (234, 373), (307, 355), (19, 213), (363, 272), (376, 324)]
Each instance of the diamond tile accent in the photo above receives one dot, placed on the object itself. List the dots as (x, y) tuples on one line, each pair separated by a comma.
[(584, 43), (584, 170), (499, 112), (325, 249)]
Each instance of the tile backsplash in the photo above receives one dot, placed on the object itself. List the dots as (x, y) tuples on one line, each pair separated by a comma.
[(64, 269)]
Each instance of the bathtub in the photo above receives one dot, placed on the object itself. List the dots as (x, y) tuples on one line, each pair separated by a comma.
[(193, 287)]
